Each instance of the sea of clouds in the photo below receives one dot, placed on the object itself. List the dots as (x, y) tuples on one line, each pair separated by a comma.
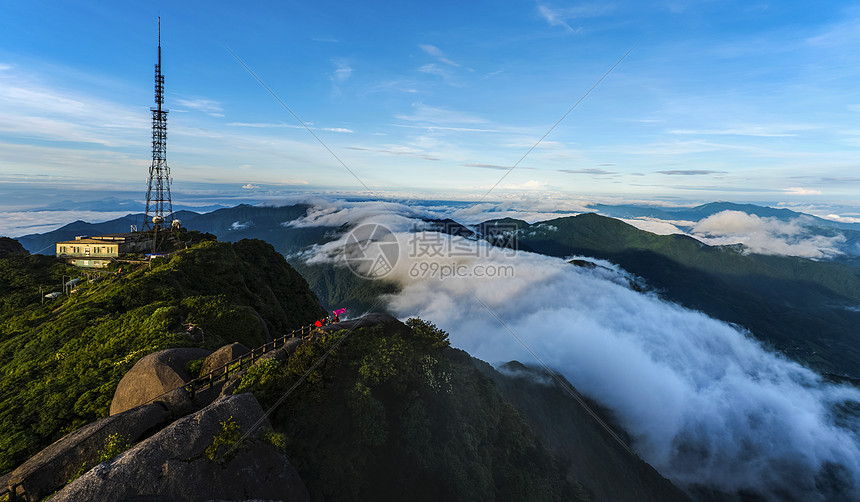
[(705, 404)]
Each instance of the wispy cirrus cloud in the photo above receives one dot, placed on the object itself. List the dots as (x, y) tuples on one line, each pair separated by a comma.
[(837, 35), (690, 172), (496, 166), (438, 54), (204, 105), (445, 70), (436, 115), (590, 170), (396, 150), (560, 16), (342, 70), (44, 109), (748, 130), (265, 125)]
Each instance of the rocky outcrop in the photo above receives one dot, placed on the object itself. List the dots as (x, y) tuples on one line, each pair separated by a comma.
[(361, 322), (9, 246), (152, 376), (222, 356), (52, 467), (203, 456)]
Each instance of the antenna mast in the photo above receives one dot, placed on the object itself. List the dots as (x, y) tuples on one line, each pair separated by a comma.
[(159, 207)]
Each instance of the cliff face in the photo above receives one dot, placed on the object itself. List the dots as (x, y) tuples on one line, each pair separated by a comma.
[(61, 360), (604, 468)]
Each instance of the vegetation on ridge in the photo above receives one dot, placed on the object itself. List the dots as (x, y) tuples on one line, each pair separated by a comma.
[(61, 361), (393, 413)]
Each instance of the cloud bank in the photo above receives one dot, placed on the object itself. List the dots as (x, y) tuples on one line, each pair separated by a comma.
[(705, 404), (767, 235)]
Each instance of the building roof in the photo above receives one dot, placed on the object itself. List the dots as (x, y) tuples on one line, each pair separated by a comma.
[(101, 239)]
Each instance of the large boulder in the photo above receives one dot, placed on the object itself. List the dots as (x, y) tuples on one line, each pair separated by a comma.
[(152, 376), (52, 467), (222, 356), (362, 322), (181, 462)]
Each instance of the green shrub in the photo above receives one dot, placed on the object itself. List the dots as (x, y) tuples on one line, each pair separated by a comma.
[(275, 439), (229, 437), (114, 445), (193, 367)]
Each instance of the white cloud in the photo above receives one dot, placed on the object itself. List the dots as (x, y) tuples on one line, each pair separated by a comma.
[(656, 226), (842, 219), (435, 115), (35, 109), (748, 130), (342, 70), (435, 51), (208, 106), (431, 49), (434, 69), (553, 17), (802, 191), (528, 185), (767, 235), (249, 186), (18, 223), (561, 16)]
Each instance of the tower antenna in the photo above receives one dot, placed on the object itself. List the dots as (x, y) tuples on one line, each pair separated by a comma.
[(159, 208)]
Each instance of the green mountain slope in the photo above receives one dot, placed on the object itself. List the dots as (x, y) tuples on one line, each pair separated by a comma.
[(60, 361), (393, 413)]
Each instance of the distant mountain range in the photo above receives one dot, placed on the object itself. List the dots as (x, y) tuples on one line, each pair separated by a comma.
[(807, 309), (700, 212)]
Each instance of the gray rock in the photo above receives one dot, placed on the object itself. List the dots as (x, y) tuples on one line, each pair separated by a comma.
[(361, 322), (179, 402), (222, 356), (152, 376), (173, 464), (52, 467)]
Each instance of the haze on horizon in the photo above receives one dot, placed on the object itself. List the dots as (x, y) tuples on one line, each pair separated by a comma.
[(738, 101)]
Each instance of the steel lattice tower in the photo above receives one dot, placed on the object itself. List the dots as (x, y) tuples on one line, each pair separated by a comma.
[(159, 208)]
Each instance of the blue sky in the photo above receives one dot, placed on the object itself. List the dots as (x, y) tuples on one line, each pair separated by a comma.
[(718, 100)]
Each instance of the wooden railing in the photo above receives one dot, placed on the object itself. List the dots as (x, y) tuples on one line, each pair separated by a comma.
[(240, 363), (11, 492), (15, 492)]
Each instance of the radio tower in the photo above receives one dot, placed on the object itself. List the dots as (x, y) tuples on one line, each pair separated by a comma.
[(159, 208)]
